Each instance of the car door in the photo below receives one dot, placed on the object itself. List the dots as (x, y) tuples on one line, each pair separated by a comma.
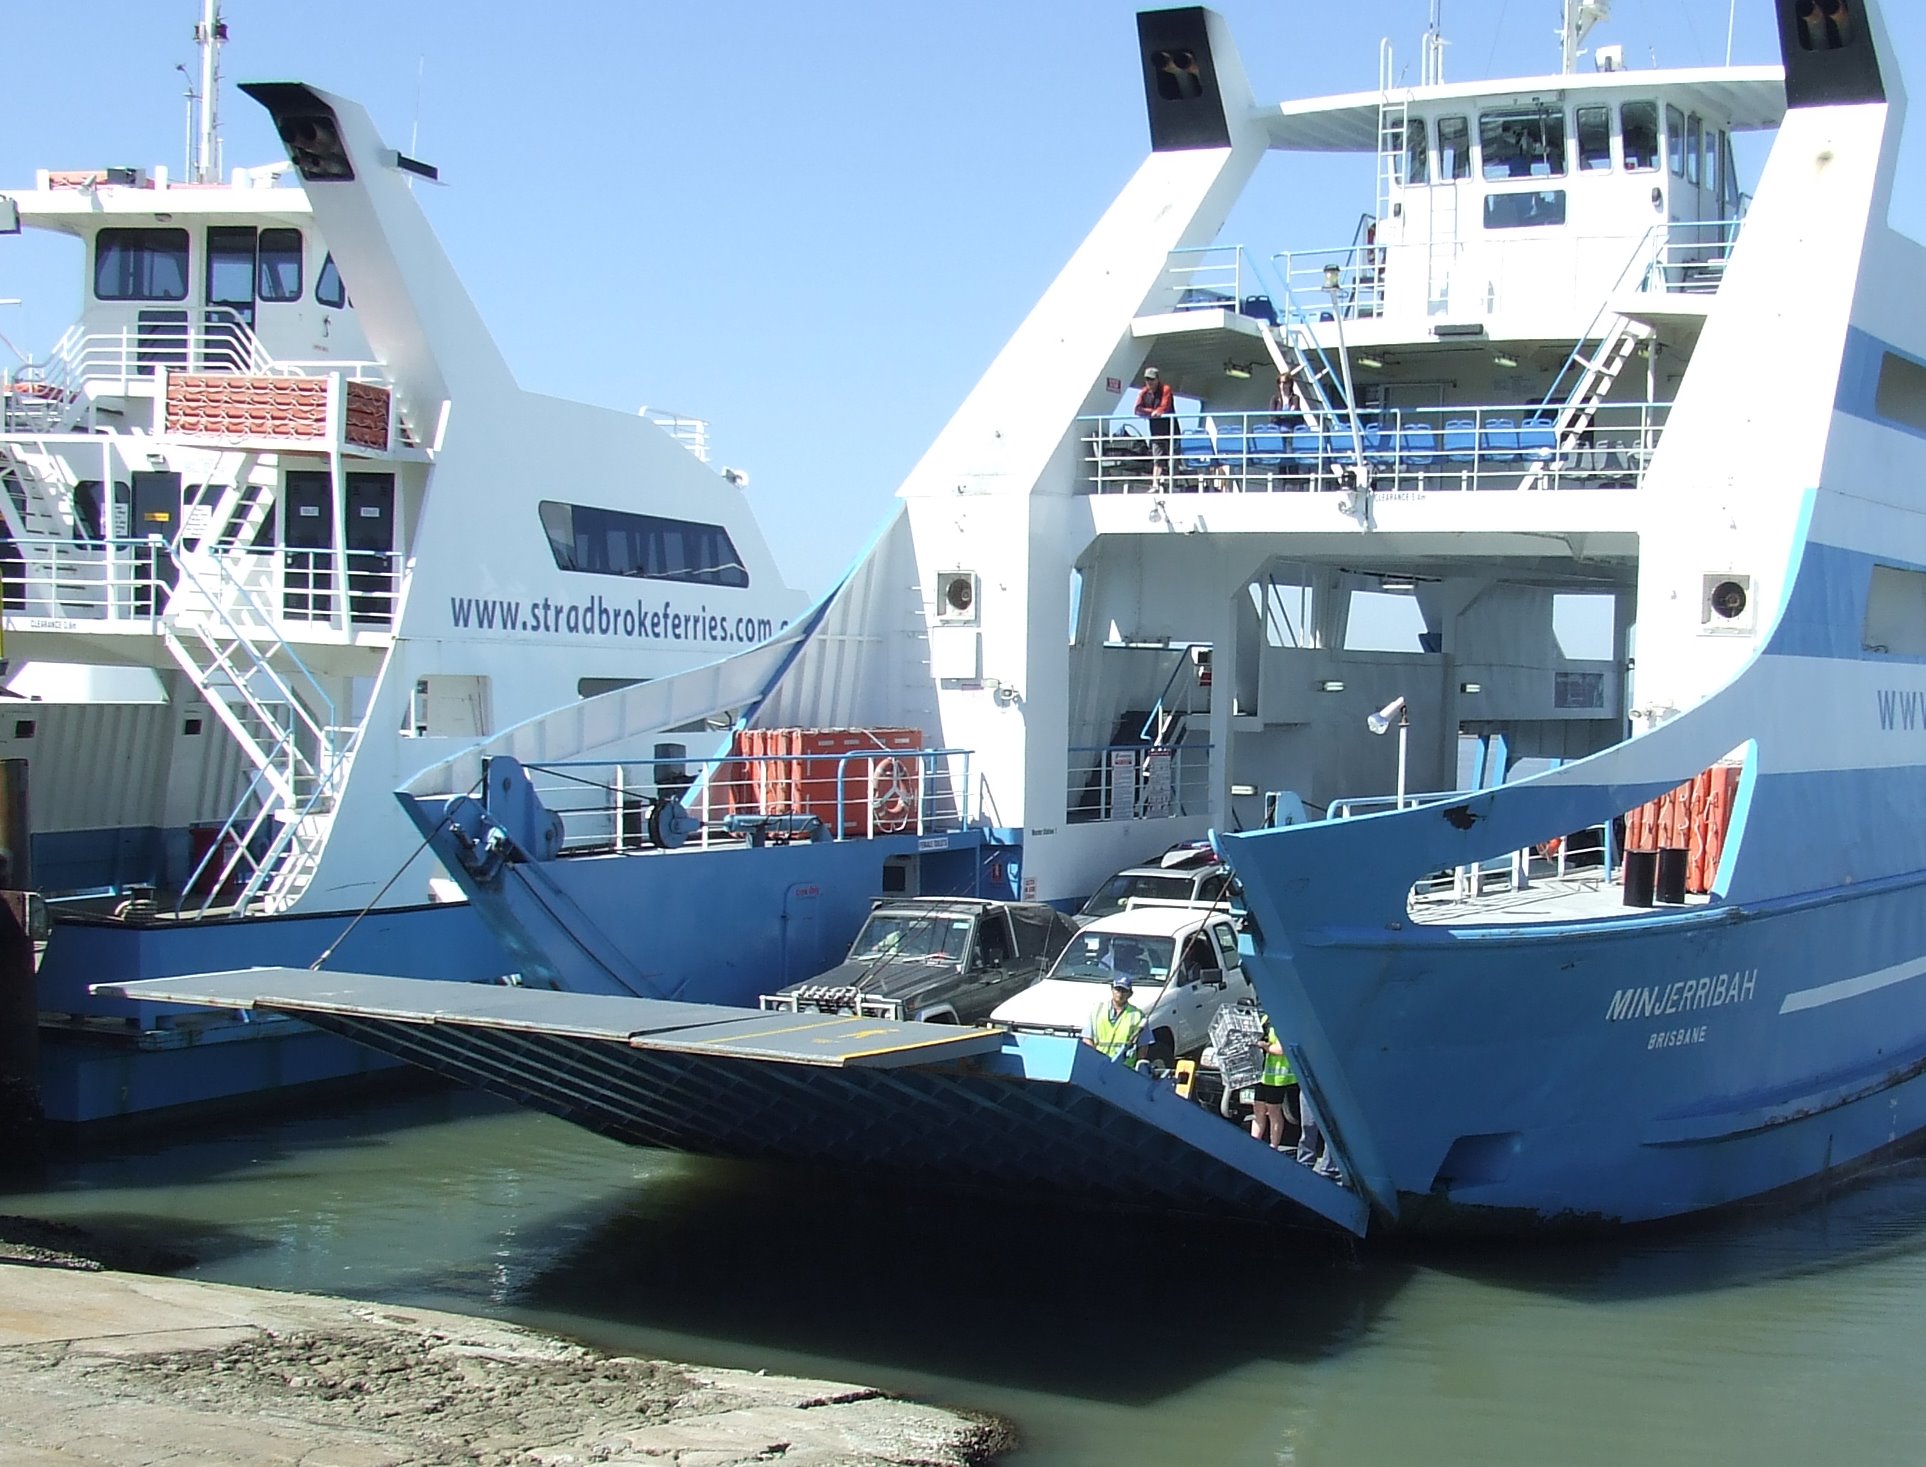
[(1237, 987), (1198, 991), (995, 971)]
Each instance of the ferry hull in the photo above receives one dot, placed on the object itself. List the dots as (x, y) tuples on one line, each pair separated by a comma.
[(1653, 1070)]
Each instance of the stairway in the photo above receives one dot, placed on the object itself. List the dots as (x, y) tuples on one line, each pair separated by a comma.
[(282, 719), (1583, 384)]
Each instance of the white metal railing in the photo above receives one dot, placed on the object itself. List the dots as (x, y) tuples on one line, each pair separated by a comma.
[(1360, 279), (84, 363), (1218, 278), (1690, 258), (691, 433), (1414, 450), (126, 584), (606, 805), (1136, 782)]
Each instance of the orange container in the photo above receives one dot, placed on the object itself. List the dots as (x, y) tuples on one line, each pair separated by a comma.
[(866, 773)]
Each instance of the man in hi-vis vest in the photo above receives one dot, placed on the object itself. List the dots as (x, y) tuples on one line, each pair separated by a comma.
[(1116, 1028)]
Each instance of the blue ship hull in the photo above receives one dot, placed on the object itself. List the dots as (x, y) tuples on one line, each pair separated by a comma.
[(1658, 1068), (118, 1059)]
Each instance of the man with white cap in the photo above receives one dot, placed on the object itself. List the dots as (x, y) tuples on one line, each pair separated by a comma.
[(1158, 404)]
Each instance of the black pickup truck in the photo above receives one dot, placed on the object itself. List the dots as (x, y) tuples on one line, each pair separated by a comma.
[(937, 959)]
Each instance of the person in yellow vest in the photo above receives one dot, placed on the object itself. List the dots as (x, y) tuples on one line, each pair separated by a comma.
[(1116, 1026), (1272, 1120)]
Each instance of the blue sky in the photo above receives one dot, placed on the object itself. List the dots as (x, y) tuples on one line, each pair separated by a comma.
[(813, 226)]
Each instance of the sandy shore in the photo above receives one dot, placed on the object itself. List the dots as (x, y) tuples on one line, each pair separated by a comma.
[(99, 1366)]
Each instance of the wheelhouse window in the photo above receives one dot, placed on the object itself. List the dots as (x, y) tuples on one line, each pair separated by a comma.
[(1539, 209), (328, 289), (1417, 152), (1594, 139), (1522, 143), (1675, 141), (140, 265), (1454, 148), (1694, 147), (280, 265), (609, 542), (1638, 125)]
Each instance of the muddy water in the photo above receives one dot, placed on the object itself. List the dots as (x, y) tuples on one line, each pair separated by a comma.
[(1788, 1337)]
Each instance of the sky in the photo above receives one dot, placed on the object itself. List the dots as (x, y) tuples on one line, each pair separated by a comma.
[(813, 226)]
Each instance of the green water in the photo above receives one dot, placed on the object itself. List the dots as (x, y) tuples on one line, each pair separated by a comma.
[(1790, 1337)]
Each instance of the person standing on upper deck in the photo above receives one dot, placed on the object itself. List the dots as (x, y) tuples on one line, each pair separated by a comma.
[(1157, 404)]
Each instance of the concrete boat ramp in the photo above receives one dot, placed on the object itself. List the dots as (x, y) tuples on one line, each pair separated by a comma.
[(1022, 1114)]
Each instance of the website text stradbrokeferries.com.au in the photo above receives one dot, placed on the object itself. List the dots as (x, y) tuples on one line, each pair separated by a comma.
[(598, 618)]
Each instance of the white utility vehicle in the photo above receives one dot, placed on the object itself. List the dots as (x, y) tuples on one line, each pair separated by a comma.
[(1181, 956)]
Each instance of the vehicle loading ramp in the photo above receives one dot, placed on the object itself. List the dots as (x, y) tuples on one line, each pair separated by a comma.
[(1027, 1114)]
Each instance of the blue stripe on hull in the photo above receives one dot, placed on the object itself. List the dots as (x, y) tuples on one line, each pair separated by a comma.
[(1626, 1072)]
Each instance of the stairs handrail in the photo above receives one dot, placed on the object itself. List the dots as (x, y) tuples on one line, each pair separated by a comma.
[(317, 725), (1643, 253)]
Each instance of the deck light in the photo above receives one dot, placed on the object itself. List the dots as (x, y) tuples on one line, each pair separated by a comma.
[(1333, 277), (1238, 370), (1374, 363), (1330, 685), (1505, 359), (1471, 687), (1380, 722)]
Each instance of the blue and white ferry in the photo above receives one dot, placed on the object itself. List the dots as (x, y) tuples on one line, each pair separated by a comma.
[(278, 474), (1574, 366)]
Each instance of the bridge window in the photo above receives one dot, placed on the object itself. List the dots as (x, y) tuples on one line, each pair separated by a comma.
[(1638, 125), (1900, 394), (280, 265), (1694, 147), (1895, 612), (1417, 154), (328, 289), (1675, 141), (140, 265), (1544, 208), (1594, 139), (1522, 143), (609, 542), (1454, 148)]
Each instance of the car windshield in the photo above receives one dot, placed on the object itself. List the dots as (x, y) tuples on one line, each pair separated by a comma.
[(1128, 886), (911, 935), (1097, 957)]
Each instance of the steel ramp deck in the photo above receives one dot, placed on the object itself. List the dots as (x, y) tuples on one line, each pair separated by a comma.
[(1026, 1114)]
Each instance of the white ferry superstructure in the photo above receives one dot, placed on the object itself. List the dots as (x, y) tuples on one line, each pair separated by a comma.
[(279, 461)]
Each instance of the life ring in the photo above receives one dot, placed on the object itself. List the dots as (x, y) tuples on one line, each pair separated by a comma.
[(892, 798)]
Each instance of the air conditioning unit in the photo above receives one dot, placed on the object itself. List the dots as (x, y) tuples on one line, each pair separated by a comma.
[(956, 597), (1726, 605)]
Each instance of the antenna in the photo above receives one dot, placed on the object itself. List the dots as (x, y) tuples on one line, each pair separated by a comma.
[(1580, 17), (1431, 55), (187, 143), (209, 34)]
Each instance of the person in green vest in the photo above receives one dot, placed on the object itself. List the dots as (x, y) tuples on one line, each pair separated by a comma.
[(1272, 1120), (1116, 1027)]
